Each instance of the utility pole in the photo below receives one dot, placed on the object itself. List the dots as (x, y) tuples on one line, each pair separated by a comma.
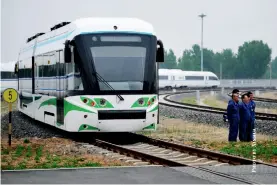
[(202, 16), (270, 74), (220, 71)]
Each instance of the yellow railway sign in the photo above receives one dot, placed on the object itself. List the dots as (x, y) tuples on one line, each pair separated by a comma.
[(10, 95)]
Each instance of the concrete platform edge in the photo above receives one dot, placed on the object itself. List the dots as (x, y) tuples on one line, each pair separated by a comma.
[(81, 168)]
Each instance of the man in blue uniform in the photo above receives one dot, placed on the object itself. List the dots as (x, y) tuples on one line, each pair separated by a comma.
[(233, 116), (252, 106), (245, 118)]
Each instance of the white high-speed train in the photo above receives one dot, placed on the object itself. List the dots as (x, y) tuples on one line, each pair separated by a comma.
[(176, 78), (8, 78)]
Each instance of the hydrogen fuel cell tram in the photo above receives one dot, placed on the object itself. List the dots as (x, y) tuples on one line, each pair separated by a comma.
[(91, 75)]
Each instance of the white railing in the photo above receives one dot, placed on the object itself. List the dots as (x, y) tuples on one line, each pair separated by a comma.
[(248, 83)]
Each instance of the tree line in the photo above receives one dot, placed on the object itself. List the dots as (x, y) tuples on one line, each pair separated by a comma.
[(250, 62)]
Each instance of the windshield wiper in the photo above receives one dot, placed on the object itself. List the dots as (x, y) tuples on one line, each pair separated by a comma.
[(100, 78)]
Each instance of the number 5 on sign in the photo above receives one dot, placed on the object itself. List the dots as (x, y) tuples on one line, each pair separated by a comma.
[(10, 95)]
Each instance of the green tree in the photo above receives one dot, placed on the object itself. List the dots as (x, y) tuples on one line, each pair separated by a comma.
[(196, 57), (170, 60), (190, 60), (209, 64), (253, 58), (229, 61), (186, 61)]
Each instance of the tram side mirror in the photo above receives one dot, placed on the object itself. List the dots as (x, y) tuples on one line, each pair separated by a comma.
[(67, 52), (15, 69), (160, 52)]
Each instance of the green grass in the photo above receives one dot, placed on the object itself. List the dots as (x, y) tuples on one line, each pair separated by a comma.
[(211, 102), (5, 151), (263, 150), (19, 150), (190, 100), (38, 153), (29, 151), (28, 156), (26, 140)]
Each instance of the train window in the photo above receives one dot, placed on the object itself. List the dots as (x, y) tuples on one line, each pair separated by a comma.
[(163, 77), (213, 78), (194, 77)]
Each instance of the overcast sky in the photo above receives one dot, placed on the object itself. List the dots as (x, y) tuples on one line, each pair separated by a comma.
[(228, 23)]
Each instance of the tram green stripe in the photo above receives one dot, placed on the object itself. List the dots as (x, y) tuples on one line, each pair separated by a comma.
[(154, 109), (52, 101), (88, 127), (70, 107), (152, 126)]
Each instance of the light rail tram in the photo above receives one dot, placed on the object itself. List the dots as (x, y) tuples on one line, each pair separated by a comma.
[(92, 75)]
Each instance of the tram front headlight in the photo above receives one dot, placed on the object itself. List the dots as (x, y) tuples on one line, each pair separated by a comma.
[(141, 101), (103, 102)]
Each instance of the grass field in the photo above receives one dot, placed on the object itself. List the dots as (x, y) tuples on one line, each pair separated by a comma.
[(190, 100), (49, 153)]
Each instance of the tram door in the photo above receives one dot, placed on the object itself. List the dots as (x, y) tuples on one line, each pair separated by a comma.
[(60, 87)]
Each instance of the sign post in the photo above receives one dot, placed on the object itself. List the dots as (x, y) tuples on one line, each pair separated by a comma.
[(10, 96)]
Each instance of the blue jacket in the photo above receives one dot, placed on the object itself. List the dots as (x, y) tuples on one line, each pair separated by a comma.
[(233, 111), (245, 114), (252, 106)]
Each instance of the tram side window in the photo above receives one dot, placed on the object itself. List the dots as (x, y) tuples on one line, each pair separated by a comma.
[(61, 69), (21, 73), (40, 71), (7, 75), (49, 65), (28, 73)]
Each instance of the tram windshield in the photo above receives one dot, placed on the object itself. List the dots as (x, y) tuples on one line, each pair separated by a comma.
[(121, 66), (126, 62)]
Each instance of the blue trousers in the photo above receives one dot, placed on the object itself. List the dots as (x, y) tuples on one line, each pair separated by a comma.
[(245, 130), (233, 130), (250, 136)]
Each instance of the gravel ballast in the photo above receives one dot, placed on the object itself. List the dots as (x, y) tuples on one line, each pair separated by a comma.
[(23, 126), (263, 127)]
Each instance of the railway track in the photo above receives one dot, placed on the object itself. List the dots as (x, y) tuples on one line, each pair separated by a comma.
[(265, 100), (165, 100), (261, 99), (159, 152)]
